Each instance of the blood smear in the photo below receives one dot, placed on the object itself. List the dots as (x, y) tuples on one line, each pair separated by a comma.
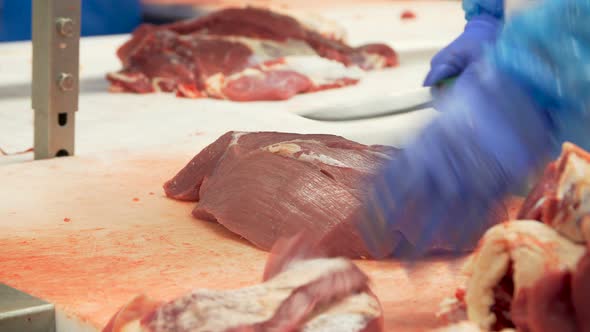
[(407, 15), (67, 219), (135, 199)]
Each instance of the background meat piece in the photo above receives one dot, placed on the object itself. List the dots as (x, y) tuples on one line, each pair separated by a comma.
[(264, 24), (316, 294), (561, 198), (241, 54), (266, 186)]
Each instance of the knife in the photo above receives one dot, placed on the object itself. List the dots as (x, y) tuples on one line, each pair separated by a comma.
[(384, 105)]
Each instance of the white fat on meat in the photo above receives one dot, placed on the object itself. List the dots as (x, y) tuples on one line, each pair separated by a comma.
[(373, 61), (351, 314), (263, 50), (574, 186), (214, 85), (313, 21), (235, 137), (321, 70), (291, 148), (123, 77), (322, 158), (210, 310), (531, 247), (380, 155)]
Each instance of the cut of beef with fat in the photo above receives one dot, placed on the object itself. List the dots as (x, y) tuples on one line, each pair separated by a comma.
[(311, 295), (561, 198), (511, 258), (264, 186), (241, 54)]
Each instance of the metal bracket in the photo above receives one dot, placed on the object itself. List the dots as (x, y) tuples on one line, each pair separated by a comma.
[(56, 39), (22, 312)]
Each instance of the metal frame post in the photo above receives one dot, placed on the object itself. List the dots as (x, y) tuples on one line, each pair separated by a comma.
[(56, 39)]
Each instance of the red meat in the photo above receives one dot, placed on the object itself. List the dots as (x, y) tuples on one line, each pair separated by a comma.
[(240, 54), (560, 198), (559, 301), (298, 294), (264, 186)]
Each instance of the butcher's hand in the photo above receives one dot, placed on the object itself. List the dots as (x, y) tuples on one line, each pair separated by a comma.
[(505, 116), (466, 49)]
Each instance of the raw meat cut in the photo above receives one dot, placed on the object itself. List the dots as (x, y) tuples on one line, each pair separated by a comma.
[(560, 301), (242, 54), (265, 186), (309, 295), (537, 266), (512, 256), (561, 198)]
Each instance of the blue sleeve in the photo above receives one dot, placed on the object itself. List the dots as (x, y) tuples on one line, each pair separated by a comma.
[(99, 17), (477, 7), (554, 64), (105, 17)]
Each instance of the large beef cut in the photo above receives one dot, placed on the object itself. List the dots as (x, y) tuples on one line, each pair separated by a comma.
[(241, 54), (561, 198), (264, 186), (308, 295)]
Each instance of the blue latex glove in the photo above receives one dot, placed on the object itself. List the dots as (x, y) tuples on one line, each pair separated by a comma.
[(481, 30), (502, 119)]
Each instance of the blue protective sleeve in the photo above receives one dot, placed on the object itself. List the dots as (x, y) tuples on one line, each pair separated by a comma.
[(99, 17), (553, 64), (477, 7)]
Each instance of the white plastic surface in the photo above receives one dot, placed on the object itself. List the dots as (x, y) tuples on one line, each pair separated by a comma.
[(108, 121)]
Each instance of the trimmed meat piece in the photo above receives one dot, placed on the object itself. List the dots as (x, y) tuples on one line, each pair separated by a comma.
[(513, 257), (259, 23), (241, 54), (534, 276), (310, 295), (559, 301), (561, 198), (546, 306), (265, 186)]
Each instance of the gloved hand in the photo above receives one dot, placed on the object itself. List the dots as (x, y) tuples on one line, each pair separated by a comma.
[(481, 30), (502, 119), (440, 190)]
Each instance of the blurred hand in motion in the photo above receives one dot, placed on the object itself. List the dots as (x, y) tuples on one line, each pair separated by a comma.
[(451, 61), (441, 190), (504, 117)]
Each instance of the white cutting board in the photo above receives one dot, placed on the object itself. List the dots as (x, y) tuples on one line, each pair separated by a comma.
[(111, 121), (132, 123)]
